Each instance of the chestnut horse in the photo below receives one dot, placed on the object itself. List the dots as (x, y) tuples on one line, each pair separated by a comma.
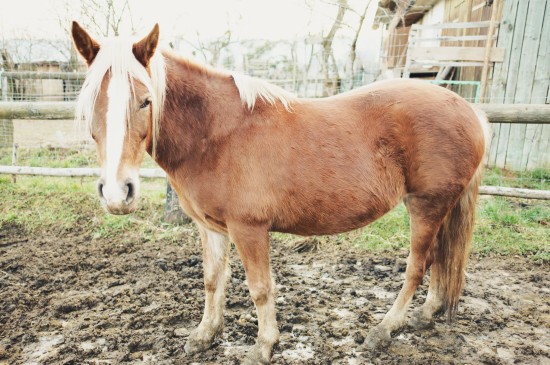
[(247, 158)]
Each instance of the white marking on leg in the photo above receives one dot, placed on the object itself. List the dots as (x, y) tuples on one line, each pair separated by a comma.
[(217, 245), (433, 301), (268, 333), (267, 318), (396, 316), (216, 272)]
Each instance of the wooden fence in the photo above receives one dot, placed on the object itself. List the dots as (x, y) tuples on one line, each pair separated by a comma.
[(496, 113), (509, 114), (522, 78)]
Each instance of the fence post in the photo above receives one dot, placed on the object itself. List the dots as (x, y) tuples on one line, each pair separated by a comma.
[(172, 211)]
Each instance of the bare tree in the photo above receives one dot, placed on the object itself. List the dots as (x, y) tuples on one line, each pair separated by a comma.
[(353, 49), (211, 50), (102, 17), (105, 17), (331, 85)]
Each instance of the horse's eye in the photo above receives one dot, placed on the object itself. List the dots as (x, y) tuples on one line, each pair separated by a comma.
[(145, 103)]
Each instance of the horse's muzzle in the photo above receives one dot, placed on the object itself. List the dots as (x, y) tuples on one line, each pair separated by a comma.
[(118, 198)]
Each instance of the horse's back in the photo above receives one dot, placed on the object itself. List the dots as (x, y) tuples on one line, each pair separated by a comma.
[(429, 131), (361, 152)]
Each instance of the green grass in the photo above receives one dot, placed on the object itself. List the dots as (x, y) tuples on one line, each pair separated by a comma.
[(504, 226), (513, 226), (62, 205), (533, 179), (58, 157), (388, 233)]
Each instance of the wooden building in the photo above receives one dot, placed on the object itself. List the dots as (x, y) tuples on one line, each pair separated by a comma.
[(493, 51), (42, 56)]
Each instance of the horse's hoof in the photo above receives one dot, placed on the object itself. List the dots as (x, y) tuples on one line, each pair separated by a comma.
[(259, 355), (197, 343), (419, 322), (377, 339)]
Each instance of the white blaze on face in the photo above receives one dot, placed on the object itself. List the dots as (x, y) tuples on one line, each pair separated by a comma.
[(118, 94)]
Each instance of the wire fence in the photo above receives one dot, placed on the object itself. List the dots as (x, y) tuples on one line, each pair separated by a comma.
[(40, 85), (62, 143)]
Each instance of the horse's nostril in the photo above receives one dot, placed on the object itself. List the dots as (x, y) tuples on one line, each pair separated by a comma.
[(131, 192), (100, 185)]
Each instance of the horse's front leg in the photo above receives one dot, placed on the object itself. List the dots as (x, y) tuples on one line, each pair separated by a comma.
[(215, 247), (252, 243)]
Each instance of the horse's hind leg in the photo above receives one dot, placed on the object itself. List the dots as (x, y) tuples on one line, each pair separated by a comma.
[(426, 217), (216, 273), (422, 317), (252, 243)]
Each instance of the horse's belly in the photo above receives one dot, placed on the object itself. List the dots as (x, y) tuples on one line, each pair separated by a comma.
[(323, 219)]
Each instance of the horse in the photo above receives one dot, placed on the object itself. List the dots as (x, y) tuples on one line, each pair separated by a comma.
[(247, 158)]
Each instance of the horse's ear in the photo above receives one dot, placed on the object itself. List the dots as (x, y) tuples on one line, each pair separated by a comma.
[(85, 44), (145, 49)]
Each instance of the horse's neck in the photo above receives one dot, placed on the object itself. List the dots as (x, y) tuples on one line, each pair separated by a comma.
[(199, 105)]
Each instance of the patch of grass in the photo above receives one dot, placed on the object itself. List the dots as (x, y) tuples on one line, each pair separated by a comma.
[(504, 226), (59, 157), (42, 203), (387, 233), (533, 179), (50, 157), (61, 205), (513, 226)]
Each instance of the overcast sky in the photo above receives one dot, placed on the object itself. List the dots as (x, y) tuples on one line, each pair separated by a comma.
[(266, 19), (191, 20)]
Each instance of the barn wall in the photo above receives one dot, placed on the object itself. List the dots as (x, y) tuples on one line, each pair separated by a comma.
[(50, 90), (523, 77), (467, 11)]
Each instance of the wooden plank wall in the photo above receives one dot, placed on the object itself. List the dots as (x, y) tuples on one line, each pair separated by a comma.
[(467, 11), (523, 77)]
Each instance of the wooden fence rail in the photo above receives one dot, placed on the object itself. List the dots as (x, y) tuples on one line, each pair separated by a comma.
[(37, 110), (158, 173), (37, 75), (71, 172), (497, 113), (512, 113)]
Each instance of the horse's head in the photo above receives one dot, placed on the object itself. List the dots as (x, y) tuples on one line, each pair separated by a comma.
[(121, 100)]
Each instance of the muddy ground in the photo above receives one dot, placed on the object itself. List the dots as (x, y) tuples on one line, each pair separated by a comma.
[(71, 299)]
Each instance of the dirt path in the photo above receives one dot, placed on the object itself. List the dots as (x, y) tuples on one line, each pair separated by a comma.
[(74, 300)]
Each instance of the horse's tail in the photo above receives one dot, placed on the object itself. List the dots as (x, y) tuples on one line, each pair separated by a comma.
[(455, 237)]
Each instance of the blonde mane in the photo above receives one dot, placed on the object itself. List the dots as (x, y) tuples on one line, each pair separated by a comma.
[(252, 89), (116, 58)]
